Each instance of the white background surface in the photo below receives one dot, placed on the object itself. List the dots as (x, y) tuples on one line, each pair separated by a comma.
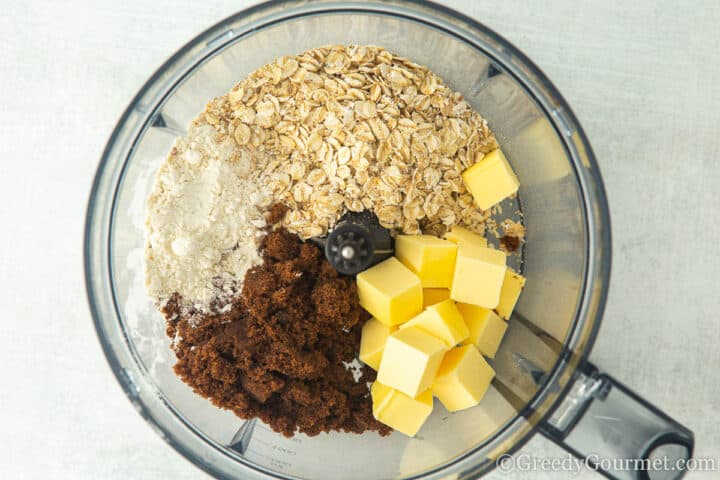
[(643, 77)]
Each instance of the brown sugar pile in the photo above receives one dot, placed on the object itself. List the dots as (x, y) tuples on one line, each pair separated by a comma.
[(278, 353)]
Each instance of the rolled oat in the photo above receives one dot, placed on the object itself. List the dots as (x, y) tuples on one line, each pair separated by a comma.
[(352, 128)]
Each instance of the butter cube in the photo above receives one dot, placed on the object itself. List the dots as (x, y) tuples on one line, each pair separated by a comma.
[(431, 258), (486, 328), (509, 293), (379, 394), (463, 378), (397, 410), (390, 292), (460, 235), (442, 320), (372, 342), (479, 275), (491, 180), (410, 360), (431, 296)]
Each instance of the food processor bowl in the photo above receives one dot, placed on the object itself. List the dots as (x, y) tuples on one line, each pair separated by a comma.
[(541, 365)]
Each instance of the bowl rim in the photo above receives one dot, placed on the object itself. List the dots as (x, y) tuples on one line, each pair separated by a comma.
[(598, 260)]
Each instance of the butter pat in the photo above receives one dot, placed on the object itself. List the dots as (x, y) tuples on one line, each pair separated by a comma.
[(463, 378), (479, 275), (461, 235), (486, 328), (390, 292), (372, 342), (431, 258), (509, 293), (431, 296), (379, 394), (410, 360), (491, 180), (442, 320), (399, 411)]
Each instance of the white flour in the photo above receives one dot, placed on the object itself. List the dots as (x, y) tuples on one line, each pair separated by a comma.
[(205, 217)]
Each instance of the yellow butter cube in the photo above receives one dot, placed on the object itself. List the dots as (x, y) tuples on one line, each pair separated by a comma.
[(410, 360), (460, 235), (379, 394), (431, 258), (372, 342), (442, 320), (390, 292), (509, 293), (491, 180), (479, 275), (463, 378), (399, 411), (486, 328), (431, 296)]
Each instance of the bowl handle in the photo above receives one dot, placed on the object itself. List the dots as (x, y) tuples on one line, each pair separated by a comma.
[(618, 433)]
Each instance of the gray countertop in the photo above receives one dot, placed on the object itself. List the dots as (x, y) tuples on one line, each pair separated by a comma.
[(642, 78)]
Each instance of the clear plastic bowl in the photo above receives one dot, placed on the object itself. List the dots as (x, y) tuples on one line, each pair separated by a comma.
[(566, 256)]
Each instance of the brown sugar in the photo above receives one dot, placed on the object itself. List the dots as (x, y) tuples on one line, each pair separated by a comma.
[(279, 353), (513, 235), (277, 213), (509, 243)]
